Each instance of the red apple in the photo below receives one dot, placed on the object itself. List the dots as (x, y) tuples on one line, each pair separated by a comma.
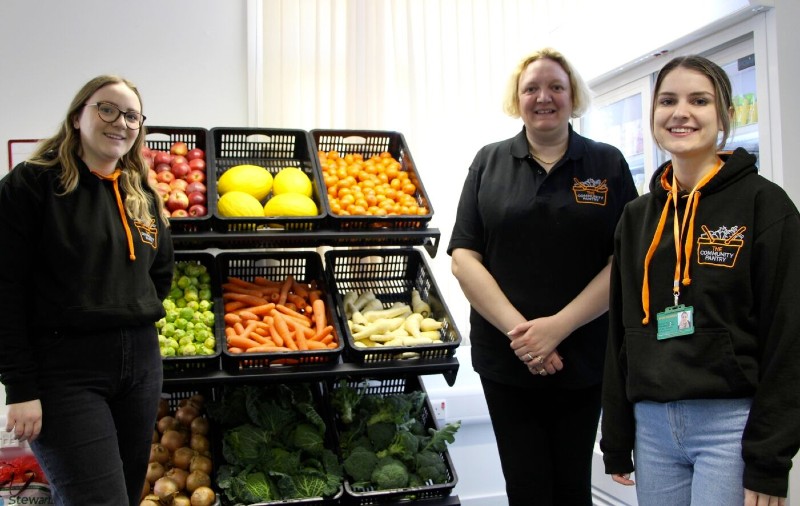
[(179, 148), (163, 189), (197, 210), (165, 176), (179, 184), (194, 154), (196, 186), (178, 159), (196, 198), (181, 169), (179, 213), (161, 157), (162, 167), (177, 200), (196, 175), (197, 164)]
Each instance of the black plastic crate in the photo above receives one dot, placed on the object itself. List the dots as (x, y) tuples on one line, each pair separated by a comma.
[(384, 387), (304, 267), (272, 149), (390, 274), (162, 138), (190, 365), (370, 143)]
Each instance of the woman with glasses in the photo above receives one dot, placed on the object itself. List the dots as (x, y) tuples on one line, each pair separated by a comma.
[(86, 260)]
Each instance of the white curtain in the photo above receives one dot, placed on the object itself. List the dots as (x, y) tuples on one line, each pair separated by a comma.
[(434, 70)]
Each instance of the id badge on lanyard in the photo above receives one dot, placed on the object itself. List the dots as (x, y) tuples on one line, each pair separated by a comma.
[(675, 321)]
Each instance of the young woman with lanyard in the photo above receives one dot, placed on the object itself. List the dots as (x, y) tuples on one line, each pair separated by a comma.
[(707, 402)]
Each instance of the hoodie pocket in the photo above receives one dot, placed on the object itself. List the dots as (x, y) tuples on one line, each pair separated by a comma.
[(700, 365)]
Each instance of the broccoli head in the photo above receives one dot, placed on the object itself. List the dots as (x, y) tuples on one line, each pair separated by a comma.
[(345, 399), (360, 464), (381, 434), (390, 473), (404, 446), (431, 467)]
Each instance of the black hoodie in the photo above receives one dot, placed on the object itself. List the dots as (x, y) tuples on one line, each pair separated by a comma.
[(71, 263), (745, 272)]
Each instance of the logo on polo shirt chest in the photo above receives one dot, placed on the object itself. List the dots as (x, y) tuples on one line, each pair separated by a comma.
[(590, 191), (720, 247)]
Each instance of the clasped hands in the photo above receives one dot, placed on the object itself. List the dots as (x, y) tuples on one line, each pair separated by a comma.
[(534, 342)]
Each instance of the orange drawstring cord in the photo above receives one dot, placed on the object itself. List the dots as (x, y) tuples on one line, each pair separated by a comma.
[(114, 178), (650, 251)]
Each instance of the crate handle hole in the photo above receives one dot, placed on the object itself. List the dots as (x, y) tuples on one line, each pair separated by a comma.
[(374, 259), (259, 138)]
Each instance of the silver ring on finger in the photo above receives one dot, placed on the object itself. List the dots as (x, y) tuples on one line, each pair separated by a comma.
[(542, 372), (530, 357), (539, 359)]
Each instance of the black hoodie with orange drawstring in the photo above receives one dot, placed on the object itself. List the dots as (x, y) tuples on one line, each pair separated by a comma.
[(742, 279), (72, 262)]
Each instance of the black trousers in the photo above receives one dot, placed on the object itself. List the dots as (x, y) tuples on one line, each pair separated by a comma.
[(545, 439)]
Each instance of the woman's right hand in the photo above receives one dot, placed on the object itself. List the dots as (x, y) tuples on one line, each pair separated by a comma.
[(25, 419), (623, 479)]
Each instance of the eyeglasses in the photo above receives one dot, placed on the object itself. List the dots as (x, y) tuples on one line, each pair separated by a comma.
[(110, 113)]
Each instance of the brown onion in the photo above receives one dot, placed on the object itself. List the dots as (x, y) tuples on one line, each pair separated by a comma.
[(181, 500), (150, 500), (163, 409), (197, 479), (172, 440), (185, 414), (166, 423), (156, 437), (182, 457), (200, 463), (178, 475), (203, 496), (200, 425), (155, 470), (165, 487), (199, 443), (158, 454)]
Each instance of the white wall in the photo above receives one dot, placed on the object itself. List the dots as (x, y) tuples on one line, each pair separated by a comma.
[(188, 58)]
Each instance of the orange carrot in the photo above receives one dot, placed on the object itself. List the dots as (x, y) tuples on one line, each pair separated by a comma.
[(247, 299), (234, 305), (283, 329), (287, 284), (316, 345), (318, 312), (259, 310), (231, 318), (267, 348), (297, 300), (276, 337), (242, 342), (314, 295), (327, 331), (248, 316), (251, 325), (239, 328), (242, 283), (235, 350), (300, 339), (262, 282), (234, 288), (283, 308), (300, 289)]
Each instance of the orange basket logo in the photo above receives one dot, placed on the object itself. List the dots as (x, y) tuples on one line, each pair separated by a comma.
[(148, 233), (591, 191), (720, 248)]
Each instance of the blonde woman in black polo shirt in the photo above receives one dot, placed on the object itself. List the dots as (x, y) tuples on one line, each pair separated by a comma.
[(531, 249)]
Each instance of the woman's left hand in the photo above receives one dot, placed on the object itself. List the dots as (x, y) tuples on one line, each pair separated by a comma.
[(539, 337), (757, 499)]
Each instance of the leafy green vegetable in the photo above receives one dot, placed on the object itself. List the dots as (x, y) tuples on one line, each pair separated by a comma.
[(390, 473), (244, 445), (245, 486), (360, 464), (307, 437), (345, 401), (430, 467)]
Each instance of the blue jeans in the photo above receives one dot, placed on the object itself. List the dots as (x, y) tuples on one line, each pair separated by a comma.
[(690, 452), (99, 394)]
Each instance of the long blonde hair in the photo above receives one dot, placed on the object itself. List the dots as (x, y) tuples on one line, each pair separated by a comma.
[(140, 197)]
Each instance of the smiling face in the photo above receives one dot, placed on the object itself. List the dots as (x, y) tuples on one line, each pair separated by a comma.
[(686, 120), (545, 97), (103, 144)]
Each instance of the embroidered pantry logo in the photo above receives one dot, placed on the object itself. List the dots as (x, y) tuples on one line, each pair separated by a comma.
[(720, 247), (591, 191), (148, 233)]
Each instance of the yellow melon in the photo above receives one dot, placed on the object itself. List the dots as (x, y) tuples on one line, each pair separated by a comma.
[(236, 203), (290, 204), (292, 180), (252, 179)]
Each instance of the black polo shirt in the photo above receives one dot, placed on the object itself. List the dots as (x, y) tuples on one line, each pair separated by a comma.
[(543, 237)]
